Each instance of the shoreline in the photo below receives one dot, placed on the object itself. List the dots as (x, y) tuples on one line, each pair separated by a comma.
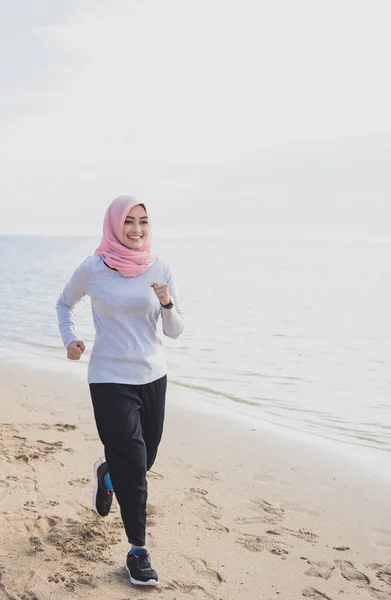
[(233, 513), (361, 456)]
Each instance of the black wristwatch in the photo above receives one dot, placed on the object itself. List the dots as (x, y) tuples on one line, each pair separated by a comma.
[(169, 305)]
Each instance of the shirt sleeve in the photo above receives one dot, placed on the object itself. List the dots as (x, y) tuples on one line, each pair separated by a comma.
[(73, 292), (172, 318)]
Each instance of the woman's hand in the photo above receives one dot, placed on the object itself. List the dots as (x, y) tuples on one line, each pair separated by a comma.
[(161, 290), (75, 350)]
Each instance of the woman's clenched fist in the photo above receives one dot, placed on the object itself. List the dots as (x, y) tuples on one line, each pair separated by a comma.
[(75, 350), (161, 290)]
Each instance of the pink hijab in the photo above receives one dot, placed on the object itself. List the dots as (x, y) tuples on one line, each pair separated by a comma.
[(115, 254)]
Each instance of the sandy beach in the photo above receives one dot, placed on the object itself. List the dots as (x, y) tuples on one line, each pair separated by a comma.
[(234, 512)]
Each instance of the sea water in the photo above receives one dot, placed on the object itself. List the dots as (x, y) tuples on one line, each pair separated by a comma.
[(291, 335)]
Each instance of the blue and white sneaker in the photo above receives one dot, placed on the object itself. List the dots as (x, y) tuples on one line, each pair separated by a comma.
[(102, 497)]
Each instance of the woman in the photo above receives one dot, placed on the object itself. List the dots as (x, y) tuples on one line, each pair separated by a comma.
[(130, 289)]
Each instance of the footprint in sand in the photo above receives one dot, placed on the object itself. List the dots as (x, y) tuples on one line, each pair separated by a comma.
[(208, 475), (315, 594), (36, 545), (323, 570), (29, 484), (350, 573), (203, 571), (30, 506), (257, 543), (28, 451), (249, 520), (44, 524), (187, 589), (81, 482), (320, 569), (154, 514), (269, 512), (303, 534), (208, 512), (379, 594), (7, 431), (382, 572), (154, 475), (88, 538), (73, 580), (62, 427)]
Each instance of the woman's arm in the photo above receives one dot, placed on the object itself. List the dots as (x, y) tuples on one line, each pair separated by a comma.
[(172, 318), (73, 292)]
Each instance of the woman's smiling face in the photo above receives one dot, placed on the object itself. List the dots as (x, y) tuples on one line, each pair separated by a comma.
[(136, 229)]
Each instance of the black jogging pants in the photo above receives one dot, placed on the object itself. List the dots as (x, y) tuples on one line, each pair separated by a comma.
[(129, 419)]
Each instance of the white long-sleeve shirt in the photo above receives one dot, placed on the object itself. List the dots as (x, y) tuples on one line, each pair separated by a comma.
[(126, 312)]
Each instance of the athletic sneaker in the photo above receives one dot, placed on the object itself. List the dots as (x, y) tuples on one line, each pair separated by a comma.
[(140, 570), (103, 495)]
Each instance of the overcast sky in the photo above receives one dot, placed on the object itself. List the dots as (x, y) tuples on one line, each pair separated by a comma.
[(222, 115)]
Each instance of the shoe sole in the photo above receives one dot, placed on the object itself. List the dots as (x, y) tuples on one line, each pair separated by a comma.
[(95, 492), (137, 582)]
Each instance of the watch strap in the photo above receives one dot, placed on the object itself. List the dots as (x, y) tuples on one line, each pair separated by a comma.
[(169, 305)]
